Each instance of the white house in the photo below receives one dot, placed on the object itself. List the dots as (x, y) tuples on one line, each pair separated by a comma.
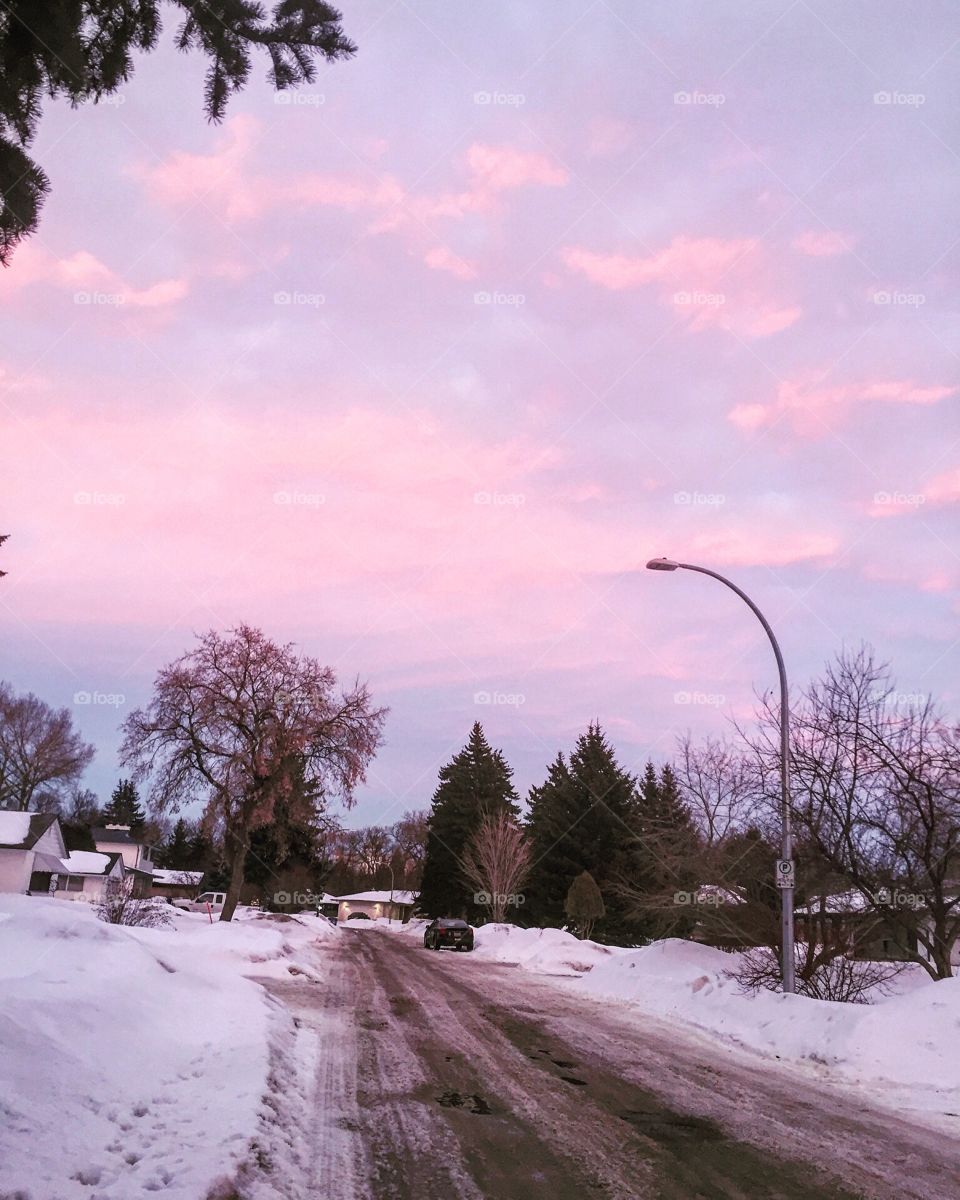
[(31, 847), (376, 905), (86, 875), (136, 855)]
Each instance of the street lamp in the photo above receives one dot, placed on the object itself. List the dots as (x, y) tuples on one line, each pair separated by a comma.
[(785, 866)]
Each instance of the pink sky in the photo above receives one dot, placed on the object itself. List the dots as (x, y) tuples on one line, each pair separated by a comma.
[(417, 368)]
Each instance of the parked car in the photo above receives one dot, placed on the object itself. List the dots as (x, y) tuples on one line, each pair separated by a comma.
[(449, 932)]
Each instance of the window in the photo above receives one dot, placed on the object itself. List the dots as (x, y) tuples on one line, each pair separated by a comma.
[(70, 883)]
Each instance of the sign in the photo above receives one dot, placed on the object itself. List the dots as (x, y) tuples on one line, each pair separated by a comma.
[(786, 873)]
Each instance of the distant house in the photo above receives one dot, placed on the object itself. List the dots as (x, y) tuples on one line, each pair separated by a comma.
[(31, 849), (136, 855), (848, 921), (174, 884), (376, 905), (86, 875)]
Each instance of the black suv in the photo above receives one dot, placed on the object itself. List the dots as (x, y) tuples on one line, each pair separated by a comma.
[(449, 932)]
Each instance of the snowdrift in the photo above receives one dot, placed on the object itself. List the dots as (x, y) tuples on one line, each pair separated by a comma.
[(133, 1060)]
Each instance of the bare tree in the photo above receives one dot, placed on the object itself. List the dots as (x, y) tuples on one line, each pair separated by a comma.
[(876, 793), (496, 862), (719, 787), (41, 754), (244, 722), (410, 840)]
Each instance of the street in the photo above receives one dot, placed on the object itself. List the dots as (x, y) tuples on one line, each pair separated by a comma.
[(432, 1076)]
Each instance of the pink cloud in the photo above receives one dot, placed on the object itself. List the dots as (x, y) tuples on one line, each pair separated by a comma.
[(822, 244), (944, 489), (91, 281), (809, 407), (442, 258), (686, 261), (503, 168)]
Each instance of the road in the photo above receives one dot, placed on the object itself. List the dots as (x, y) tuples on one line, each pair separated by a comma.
[(440, 1076)]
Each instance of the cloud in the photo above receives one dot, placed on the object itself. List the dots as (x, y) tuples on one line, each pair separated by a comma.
[(91, 281), (686, 262), (809, 408), (442, 258), (822, 244), (504, 168)]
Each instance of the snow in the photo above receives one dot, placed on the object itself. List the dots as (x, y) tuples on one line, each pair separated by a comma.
[(86, 862), (14, 827), (166, 875), (136, 1060), (378, 897), (549, 951)]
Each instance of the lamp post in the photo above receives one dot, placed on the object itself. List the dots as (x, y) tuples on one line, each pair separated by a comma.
[(785, 867)]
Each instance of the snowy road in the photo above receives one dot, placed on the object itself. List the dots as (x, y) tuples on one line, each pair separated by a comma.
[(445, 1077)]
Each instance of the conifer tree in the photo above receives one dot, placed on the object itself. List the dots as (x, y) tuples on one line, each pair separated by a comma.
[(475, 784), (583, 818), (584, 904), (83, 50), (124, 807), (174, 854)]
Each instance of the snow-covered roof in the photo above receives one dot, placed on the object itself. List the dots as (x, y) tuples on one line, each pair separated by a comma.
[(167, 875), (708, 892), (88, 862), (21, 830), (379, 897)]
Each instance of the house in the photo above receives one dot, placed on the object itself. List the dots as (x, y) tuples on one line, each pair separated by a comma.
[(31, 849), (393, 906), (136, 855), (849, 921), (87, 874), (173, 884)]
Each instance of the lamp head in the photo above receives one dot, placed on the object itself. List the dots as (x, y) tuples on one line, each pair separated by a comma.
[(662, 564)]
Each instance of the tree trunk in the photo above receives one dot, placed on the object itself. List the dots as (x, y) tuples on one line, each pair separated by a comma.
[(236, 878)]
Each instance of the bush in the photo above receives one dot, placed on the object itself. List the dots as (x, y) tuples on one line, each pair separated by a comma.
[(119, 906), (842, 979)]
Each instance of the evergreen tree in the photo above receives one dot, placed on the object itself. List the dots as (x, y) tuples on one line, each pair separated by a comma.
[(584, 904), (665, 866), (174, 854), (124, 807), (84, 50), (475, 784), (583, 818)]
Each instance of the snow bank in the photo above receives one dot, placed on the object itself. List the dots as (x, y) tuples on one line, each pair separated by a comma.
[(549, 951), (133, 1060), (907, 1044)]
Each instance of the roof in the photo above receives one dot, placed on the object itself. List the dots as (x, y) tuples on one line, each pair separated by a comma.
[(22, 830), (168, 875), (380, 897), (89, 862), (119, 834)]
